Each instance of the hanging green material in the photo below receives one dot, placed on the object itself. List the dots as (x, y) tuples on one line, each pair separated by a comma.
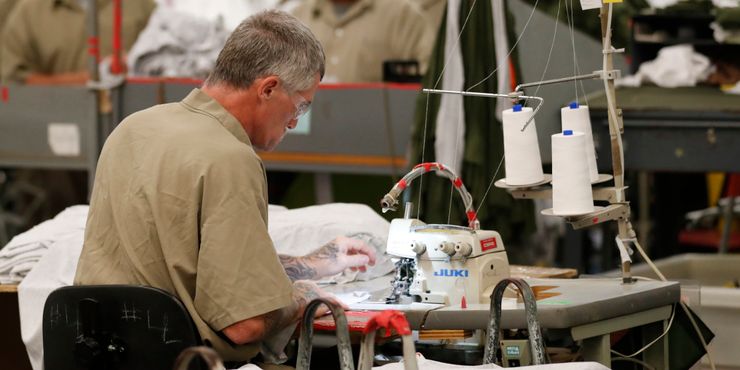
[(513, 219)]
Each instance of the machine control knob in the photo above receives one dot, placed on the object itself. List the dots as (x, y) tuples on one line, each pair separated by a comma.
[(418, 248), (463, 249), (448, 248)]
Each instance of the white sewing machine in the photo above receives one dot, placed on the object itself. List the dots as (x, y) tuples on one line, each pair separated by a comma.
[(447, 264)]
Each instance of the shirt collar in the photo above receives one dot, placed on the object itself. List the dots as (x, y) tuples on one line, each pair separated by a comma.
[(200, 101)]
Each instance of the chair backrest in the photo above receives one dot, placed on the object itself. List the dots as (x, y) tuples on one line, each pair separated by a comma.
[(111, 327)]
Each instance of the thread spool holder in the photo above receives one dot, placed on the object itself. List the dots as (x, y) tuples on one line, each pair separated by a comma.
[(618, 209)]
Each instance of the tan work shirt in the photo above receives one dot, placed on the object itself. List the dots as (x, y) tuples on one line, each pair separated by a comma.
[(50, 36), (433, 11), (5, 7), (367, 34), (180, 203)]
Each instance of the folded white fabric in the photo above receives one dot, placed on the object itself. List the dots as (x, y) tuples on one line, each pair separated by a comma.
[(675, 66), (19, 256)]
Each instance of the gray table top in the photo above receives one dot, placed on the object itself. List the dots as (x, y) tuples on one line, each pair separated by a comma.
[(574, 302)]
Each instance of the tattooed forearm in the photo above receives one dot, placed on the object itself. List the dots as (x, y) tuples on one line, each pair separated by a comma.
[(328, 252), (279, 319), (303, 293), (298, 268)]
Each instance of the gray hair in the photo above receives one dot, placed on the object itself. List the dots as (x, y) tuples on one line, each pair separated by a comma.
[(268, 43)]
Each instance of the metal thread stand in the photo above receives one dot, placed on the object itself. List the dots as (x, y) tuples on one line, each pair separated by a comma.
[(618, 209)]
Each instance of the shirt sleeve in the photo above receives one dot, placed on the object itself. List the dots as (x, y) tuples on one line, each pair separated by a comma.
[(239, 275), (17, 48)]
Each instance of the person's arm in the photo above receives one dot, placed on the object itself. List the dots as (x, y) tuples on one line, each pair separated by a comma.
[(333, 258), (256, 328)]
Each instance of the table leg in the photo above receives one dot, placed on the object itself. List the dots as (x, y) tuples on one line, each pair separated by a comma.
[(597, 349), (657, 354)]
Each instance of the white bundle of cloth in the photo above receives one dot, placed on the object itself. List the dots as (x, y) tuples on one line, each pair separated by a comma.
[(176, 44), (425, 364), (675, 66), (230, 12), (300, 231), (24, 251), (295, 232)]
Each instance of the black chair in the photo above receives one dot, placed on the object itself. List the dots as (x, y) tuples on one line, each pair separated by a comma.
[(111, 327)]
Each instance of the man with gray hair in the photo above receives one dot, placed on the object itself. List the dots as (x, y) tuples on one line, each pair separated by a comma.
[(180, 196)]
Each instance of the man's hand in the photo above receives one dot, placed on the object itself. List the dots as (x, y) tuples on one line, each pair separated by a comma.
[(304, 291), (342, 253), (333, 258)]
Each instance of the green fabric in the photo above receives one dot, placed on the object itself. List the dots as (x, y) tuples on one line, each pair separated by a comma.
[(483, 135)]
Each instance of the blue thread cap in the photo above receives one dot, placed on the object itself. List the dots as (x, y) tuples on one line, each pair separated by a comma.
[(517, 108), (574, 105), (568, 132)]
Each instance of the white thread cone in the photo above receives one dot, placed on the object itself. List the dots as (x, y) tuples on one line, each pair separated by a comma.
[(577, 118), (571, 186), (521, 149)]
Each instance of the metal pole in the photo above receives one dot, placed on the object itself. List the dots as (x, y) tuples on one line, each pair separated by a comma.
[(626, 233), (589, 76)]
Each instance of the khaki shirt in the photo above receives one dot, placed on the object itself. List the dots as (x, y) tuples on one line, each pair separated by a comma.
[(180, 203), (370, 32), (5, 7), (50, 36), (433, 10)]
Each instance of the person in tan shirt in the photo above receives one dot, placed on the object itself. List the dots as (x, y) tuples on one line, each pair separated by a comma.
[(359, 35), (45, 41), (180, 196)]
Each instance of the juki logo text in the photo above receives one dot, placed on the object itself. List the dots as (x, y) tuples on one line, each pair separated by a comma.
[(451, 273)]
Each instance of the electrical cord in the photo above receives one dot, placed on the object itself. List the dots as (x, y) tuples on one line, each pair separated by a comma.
[(670, 322), (683, 305)]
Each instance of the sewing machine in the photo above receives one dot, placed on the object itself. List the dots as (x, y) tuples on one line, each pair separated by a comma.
[(445, 264)]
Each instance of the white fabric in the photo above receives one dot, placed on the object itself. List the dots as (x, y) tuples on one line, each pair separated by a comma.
[(501, 40), (230, 12), (425, 364), (449, 134), (55, 270), (726, 3), (26, 249), (675, 66), (660, 4), (249, 367), (176, 44), (300, 231)]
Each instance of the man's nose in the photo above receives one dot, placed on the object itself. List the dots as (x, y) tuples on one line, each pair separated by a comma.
[(293, 123)]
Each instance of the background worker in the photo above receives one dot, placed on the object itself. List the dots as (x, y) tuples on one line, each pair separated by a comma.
[(46, 41)]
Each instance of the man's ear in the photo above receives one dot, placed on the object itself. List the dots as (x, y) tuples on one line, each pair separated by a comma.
[(267, 86)]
